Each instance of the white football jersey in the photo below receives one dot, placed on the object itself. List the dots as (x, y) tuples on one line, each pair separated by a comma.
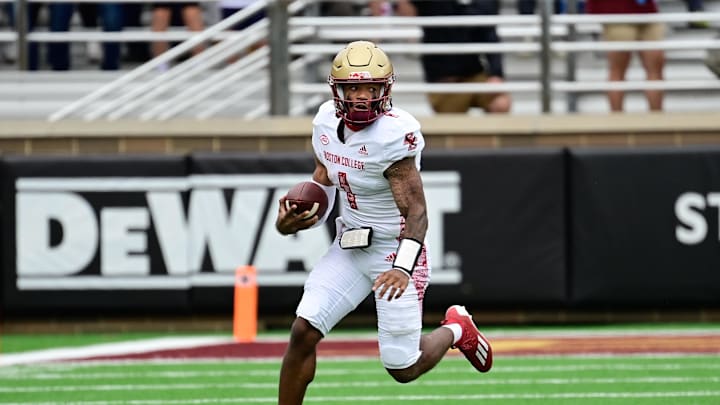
[(356, 166)]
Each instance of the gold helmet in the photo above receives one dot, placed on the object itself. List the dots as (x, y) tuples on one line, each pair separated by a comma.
[(361, 62)]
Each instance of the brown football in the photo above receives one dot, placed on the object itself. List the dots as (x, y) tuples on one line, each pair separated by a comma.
[(308, 196)]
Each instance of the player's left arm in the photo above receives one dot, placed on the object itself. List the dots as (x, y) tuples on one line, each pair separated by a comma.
[(407, 188)]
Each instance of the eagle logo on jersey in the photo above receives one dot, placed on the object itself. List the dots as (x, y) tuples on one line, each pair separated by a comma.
[(324, 139), (410, 141)]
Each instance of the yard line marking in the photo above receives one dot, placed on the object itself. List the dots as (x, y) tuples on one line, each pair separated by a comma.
[(509, 333), (568, 395), (361, 384), (105, 349), (406, 398), (504, 339), (45, 358), (42, 372)]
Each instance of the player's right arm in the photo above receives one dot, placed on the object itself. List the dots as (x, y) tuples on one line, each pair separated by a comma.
[(320, 174), (289, 221)]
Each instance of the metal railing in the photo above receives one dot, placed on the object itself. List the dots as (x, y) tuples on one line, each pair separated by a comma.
[(167, 79), (146, 98)]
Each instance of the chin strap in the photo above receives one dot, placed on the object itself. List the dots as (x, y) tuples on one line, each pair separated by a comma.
[(330, 193), (356, 127)]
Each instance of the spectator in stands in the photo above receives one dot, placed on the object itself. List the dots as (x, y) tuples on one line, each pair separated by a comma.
[(162, 15), (6, 16), (387, 8), (135, 51), (696, 5), (526, 7), (653, 61), (340, 8), (230, 7), (33, 49), (559, 6), (60, 18), (462, 68), (89, 19)]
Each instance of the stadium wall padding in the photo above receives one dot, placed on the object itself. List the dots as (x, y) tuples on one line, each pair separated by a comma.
[(512, 228), (55, 207), (645, 227)]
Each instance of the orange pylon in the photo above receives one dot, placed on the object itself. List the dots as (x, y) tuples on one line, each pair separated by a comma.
[(245, 304)]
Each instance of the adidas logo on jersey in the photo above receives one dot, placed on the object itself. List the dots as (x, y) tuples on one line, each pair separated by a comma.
[(363, 150)]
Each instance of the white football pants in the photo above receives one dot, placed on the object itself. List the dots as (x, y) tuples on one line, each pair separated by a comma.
[(342, 279)]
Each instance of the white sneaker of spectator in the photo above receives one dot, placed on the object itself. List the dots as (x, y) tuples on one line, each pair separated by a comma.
[(94, 52)]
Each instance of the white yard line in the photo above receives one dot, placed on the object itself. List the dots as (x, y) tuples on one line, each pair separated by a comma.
[(109, 349), (53, 371), (509, 333), (367, 384), (422, 399), (171, 343)]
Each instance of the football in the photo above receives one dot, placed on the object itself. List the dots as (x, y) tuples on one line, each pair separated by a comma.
[(308, 196)]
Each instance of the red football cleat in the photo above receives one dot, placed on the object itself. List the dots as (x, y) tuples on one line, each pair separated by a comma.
[(472, 343)]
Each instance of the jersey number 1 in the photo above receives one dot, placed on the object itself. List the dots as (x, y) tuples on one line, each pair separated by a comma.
[(342, 177)]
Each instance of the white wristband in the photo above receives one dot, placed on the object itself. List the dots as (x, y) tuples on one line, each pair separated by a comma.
[(407, 254)]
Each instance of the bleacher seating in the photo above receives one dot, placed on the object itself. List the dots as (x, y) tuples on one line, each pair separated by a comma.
[(36, 95)]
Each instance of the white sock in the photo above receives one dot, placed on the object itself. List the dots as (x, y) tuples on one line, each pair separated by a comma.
[(456, 330)]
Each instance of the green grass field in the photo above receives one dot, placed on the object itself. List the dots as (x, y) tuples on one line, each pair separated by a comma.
[(547, 380), (557, 380)]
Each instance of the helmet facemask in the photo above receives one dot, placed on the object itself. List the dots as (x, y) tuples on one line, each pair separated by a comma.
[(359, 63), (361, 115)]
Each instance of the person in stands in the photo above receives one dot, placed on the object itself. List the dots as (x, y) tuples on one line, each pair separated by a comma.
[(653, 60), (463, 67)]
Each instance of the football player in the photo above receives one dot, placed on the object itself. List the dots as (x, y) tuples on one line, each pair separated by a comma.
[(370, 152)]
